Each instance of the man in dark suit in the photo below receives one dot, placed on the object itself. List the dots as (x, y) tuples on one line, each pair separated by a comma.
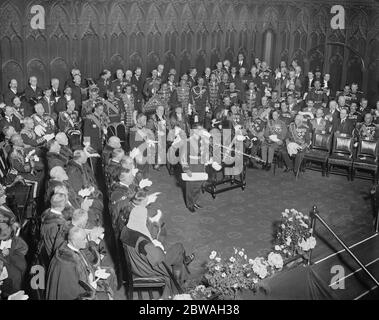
[(32, 94), (344, 124), (103, 83), (11, 92), (241, 62), (10, 120), (234, 77), (308, 82), (77, 93), (192, 80), (55, 91), (137, 81), (47, 101), (137, 85), (61, 105)]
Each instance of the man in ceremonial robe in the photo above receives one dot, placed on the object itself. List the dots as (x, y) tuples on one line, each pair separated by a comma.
[(71, 275)]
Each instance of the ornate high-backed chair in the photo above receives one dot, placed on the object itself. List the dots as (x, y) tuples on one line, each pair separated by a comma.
[(342, 155), (366, 160), (319, 152)]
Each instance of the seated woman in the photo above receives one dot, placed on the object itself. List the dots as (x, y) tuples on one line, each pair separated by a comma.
[(147, 255)]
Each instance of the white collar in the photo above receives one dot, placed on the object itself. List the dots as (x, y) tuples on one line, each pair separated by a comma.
[(14, 90), (72, 247), (55, 211)]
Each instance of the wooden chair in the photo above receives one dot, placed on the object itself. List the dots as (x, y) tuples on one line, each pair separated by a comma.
[(319, 152), (366, 161), (21, 201), (341, 156)]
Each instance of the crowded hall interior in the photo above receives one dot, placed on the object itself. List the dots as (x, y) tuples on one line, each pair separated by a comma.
[(180, 150)]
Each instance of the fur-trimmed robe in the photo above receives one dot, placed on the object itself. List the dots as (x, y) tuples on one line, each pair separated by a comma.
[(15, 264), (54, 228), (65, 271)]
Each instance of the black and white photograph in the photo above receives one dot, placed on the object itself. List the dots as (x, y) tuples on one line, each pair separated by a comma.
[(208, 150)]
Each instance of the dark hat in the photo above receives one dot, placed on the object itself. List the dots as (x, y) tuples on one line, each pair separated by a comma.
[(317, 69)]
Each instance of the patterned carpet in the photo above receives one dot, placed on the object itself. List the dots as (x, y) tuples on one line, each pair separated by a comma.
[(245, 219)]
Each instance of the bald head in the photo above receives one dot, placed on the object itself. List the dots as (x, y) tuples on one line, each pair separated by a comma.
[(58, 173), (62, 139), (114, 142), (58, 201), (79, 218), (80, 157), (77, 237)]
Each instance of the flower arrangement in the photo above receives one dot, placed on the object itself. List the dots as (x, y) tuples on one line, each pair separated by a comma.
[(227, 277), (294, 234)]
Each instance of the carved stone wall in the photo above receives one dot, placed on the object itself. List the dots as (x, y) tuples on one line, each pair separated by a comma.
[(97, 34)]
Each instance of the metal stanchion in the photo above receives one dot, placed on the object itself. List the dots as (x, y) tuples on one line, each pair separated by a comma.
[(316, 215), (313, 225)]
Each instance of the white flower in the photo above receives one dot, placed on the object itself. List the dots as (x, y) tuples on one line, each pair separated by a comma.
[(213, 255), (232, 259), (283, 226), (218, 259), (303, 224), (259, 268), (217, 268), (278, 248), (312, 242), (240, 253), (235, 286), (235, 251), (288, 241), (308, 244), (251, 261), (223, 275), (200, 288), (245, 256), (275, 260), (284, 214)]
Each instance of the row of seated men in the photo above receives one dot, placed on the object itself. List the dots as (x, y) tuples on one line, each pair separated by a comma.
[(72, 247)]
